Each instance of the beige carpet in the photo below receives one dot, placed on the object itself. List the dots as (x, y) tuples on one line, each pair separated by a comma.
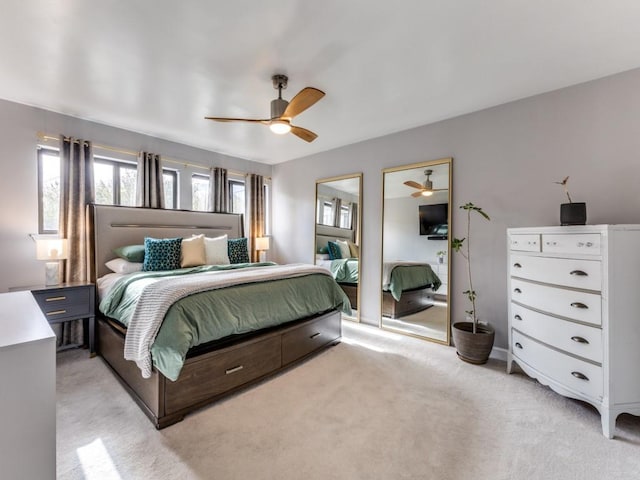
[(430, 323), (377, 406)]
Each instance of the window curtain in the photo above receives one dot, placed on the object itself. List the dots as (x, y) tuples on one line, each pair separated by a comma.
[(149, 186), (76, 192), (254, 208), (354, 223), (218, 190), (337, 210)]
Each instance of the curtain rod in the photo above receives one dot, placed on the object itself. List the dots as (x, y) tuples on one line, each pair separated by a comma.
[(44, 136)]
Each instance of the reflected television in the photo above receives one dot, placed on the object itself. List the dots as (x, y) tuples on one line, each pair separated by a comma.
[(434, 221)]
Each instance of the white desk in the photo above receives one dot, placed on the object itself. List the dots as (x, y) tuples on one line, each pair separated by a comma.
[(28, 389)]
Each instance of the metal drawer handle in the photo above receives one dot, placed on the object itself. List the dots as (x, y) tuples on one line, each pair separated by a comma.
[(579, 273), (579, 305), (581, 376), (234, 369), (518, 345), (517, 290), (589, 244), (517, 317), (54, 299), (315, 335), (580, 340), (517, 265), (57, 312)]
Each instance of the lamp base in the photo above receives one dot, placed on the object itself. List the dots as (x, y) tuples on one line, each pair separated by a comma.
[(52, 270), (262, 256)]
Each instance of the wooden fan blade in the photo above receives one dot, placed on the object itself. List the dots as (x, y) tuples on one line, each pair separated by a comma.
[(416, 194), (303, 133), (303, 100), (411, 183), (225, 119)]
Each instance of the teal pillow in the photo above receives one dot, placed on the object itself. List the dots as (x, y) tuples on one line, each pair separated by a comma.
[(334, 250), (161, 254), (237, 250), (131, 253), (323, 249)]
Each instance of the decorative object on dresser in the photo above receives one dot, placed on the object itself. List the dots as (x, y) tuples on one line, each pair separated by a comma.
[(52, 250), (473, 340), (574, 313), (572, 213)]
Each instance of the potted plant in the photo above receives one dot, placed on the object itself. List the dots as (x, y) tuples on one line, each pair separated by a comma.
[(473, 339), (441, 255), (572, 213)]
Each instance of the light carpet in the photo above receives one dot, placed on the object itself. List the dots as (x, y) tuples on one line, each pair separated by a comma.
[(376, 406)]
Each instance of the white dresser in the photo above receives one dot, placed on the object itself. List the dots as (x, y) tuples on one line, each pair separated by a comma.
[(574, 313)]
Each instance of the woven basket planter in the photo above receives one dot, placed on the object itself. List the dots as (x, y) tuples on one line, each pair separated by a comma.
[(473, 347)]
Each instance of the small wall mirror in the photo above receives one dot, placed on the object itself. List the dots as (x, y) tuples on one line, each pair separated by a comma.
[(338, 227), (416, 248)]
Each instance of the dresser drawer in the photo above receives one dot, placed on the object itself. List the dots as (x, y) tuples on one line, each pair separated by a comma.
[(231, 368), (525, 242), (574, 243), (577, 375), (58, 304), (586, 274), (580, 340), (581, 306), (310, 336)]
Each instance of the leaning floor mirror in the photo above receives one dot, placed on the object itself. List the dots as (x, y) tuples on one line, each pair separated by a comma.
[(337, 233), (415, 249)]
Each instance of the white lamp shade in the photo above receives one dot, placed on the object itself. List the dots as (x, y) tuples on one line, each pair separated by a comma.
[(51, 249), (262, 243)]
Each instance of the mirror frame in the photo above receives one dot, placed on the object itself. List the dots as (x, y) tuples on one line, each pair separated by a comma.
[(355, 318), (440, 161)]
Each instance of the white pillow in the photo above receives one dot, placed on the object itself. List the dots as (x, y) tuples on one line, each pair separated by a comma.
[(216, 250), (120, 265), (192, 251), (323, 256), (345, 251)]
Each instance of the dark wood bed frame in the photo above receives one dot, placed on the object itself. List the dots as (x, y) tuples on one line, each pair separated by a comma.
[(212, 370), (411, 301)]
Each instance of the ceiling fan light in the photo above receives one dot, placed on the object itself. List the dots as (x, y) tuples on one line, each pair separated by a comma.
[(280, 127), (427, 193)]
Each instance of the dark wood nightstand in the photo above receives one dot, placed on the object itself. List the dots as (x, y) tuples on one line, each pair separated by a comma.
[(69, 301)]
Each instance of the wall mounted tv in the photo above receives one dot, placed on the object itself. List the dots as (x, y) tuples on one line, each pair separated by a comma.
[(434, 221)]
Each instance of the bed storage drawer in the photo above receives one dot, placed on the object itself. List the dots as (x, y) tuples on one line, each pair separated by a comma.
[(224, 370), (308, 337)]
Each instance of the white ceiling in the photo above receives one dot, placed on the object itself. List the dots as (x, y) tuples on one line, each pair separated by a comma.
[(159, 66)]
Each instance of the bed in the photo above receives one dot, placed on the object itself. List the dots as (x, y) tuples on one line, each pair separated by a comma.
[(346, 271), (407, 287), (209, 367)]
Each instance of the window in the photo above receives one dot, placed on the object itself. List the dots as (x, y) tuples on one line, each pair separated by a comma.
[(236, 196), (326, 212), (345, 216), (48, 190), (170, 180), (199, 192), (115, 182)]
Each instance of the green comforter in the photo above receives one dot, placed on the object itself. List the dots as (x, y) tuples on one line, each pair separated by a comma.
[(407, 277), (345, 270), (214, 314)]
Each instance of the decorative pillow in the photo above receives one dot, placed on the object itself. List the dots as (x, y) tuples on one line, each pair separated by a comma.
[(345, 252), (161, 254), (192, 251), (238, 250), (354, 249), (120, 265), (322, 256), (216, 250), (324, 249), (334, 251), (133, 253)]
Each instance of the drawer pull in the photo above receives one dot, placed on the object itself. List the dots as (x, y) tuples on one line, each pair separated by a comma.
[(315, 335), (229, 371), (517, 265), (517, 317), (589, 244), (580, 340), (581, 376), (57, 312), (579, 273), (579, 305), (55, 299), (518, 345), (517, 290)]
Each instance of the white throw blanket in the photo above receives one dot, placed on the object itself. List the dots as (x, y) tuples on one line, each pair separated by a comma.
[(156, 299)]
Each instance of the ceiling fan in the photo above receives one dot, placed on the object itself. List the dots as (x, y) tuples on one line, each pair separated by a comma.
[(426, 188), (282, 111)]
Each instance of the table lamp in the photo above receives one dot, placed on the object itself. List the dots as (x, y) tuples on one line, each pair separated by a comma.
[(262, 245), (52, 250)]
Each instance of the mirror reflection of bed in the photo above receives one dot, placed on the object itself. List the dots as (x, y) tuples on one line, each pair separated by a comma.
[(337, 233), (415, 250)]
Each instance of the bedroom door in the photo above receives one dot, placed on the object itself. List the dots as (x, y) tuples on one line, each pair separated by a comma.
[(415, 249)]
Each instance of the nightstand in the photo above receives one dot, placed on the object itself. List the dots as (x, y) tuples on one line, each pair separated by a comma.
[(68, 301)]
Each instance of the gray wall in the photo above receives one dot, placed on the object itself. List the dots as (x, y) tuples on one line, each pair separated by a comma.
[(19, 125), (505, 160)]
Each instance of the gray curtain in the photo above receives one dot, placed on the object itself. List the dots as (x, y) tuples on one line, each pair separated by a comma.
[(354, 223), (218, 190), (76, 192), (254, 211), (149, 186), (337, 209)]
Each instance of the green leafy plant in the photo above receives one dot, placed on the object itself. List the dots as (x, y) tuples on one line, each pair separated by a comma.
[(564, 186), (441, 253), (463, 246)]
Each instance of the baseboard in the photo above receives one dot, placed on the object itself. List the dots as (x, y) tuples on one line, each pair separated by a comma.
[(499, 354)]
